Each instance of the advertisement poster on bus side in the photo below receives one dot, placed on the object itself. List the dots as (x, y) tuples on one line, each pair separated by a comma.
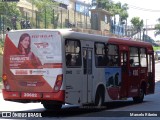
[(112, 76)]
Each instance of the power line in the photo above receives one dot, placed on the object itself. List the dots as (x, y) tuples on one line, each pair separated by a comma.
[(143, 9), (140, 8)]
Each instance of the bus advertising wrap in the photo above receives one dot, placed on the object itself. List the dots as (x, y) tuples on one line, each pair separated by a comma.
[(33, 59)]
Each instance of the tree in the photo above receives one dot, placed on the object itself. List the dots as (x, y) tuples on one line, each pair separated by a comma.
[(137, 24), (8, 10), (104, 4), (123, 13), (115, 9), (45, 10), (157, 27)]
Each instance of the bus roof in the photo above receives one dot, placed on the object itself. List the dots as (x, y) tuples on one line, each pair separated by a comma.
[(68, 33), (84, 36), (131, 42)]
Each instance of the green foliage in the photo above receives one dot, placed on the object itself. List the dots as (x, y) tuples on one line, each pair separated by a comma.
[(8, 10), (123, 13), (45, 9), (137, 23), (157, 27), (104, 4), (114, 8), (156, 48)]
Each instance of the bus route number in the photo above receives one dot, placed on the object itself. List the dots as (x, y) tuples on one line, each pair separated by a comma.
[(30, 94)]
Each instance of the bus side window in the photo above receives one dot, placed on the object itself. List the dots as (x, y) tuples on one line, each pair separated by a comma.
[(113, 55), (124, 61), (78, 60), (111, 62), (99, 54), (134, 57), (68, 59), (105, 60), (131, 62), (73, 53), (100, 61)]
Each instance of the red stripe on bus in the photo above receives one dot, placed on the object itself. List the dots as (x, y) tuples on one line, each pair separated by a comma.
[(52, 65), (59, 96)]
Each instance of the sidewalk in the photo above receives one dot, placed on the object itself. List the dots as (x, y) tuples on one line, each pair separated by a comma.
[(157, 61)]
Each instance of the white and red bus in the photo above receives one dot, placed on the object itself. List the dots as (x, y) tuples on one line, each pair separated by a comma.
[(55, 67)]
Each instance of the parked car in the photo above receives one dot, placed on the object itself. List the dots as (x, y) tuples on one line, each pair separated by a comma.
[(157, 55)]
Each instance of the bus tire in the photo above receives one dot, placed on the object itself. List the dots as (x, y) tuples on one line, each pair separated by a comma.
[(52, 106), (99, 99), (139, 98)]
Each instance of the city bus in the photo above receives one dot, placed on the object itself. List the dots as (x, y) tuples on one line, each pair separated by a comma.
[(57, 67)]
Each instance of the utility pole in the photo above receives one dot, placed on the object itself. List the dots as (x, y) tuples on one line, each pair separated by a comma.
[(146, 27), (144, 34)]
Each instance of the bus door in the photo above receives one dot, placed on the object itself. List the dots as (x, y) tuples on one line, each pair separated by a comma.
[(87, 75), (151, 77), (124, 66), (134, 72), (74, 72)]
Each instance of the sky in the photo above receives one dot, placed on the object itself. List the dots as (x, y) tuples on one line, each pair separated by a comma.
[(148, 10)]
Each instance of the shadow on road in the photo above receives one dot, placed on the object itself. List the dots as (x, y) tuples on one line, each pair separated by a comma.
[(73, 111)]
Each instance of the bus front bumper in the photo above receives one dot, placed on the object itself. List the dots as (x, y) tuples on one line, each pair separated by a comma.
[(35, 96)]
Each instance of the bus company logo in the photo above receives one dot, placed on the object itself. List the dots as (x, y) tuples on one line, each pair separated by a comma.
[(21, 72), (6, 114)]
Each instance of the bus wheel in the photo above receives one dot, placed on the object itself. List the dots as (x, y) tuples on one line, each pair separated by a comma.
[(99, 100), (52, 106), (139, 98)]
